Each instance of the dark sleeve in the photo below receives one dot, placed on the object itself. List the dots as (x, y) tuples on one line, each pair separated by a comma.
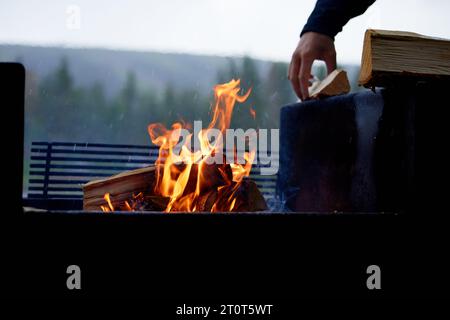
[(329, 16)]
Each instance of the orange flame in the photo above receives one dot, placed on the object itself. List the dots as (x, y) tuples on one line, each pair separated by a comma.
[(174, 180), (128, 207), (108, 201), (253, 113)]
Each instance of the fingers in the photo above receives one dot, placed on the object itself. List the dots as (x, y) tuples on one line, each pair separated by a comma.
[(330, 61), (312, 46), (294, 68), (304, 75)]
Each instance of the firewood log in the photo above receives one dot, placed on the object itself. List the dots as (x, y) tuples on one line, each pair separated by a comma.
[(334, 84), (121, 187), (135, 190), (390, 57)]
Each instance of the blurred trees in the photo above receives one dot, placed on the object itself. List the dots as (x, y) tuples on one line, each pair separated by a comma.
[(270, 91), (57, 109), (279, 92), (62, 111)]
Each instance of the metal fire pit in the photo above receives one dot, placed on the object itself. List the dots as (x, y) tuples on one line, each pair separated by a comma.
[(353, 152), (58, 171)]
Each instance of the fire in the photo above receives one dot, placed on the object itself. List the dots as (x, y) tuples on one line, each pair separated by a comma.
[(108, 201), (186, 176), (128, 207), (134, 204), (253, 113)]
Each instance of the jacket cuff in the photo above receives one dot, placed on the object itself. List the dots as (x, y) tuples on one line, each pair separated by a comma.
[(319, 29)]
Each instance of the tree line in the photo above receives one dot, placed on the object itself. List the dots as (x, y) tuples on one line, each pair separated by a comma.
[(61, 111)]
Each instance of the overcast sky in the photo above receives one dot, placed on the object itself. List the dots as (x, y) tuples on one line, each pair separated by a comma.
[(261, 28)]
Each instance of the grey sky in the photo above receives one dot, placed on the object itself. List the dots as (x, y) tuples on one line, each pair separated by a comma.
[(261, 28)]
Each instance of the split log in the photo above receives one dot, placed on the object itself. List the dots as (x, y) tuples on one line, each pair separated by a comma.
[(212, 176), (136, 187), (121, 187), (336, 83), (150, 203), (203, 203), (247, 196), (392, 56)]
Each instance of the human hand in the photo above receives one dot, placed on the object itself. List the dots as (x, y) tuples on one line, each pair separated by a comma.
[(312, 46)]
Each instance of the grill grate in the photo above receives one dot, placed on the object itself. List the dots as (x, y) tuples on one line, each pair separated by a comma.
[(59, 169)]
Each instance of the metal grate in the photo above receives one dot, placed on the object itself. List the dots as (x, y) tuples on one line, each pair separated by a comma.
[(59, 169)]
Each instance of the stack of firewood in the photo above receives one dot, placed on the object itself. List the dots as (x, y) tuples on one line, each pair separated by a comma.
[(135, 191)]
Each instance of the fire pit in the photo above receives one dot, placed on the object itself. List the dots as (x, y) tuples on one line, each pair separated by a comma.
[(203, 171), (59, 170)]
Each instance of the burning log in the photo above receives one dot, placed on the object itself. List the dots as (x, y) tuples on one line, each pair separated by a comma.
[(120, 187), (185, 180), (242, 197), (134, 191), (247, 197)]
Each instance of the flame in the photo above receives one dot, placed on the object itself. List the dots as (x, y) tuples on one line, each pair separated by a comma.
[(135, 203), (253, 113), (128, 207), (108, 201), (186, 176)]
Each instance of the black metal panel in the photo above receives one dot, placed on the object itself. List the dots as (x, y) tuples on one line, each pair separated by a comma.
[(108, 160), (41, 181), (353, 152), (88, 167), (93, 145), (70, 174), (32, 195), (93, 152), (317, 151)]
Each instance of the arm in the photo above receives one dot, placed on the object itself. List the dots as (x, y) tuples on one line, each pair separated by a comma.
[(330, 16), (317, 39)]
